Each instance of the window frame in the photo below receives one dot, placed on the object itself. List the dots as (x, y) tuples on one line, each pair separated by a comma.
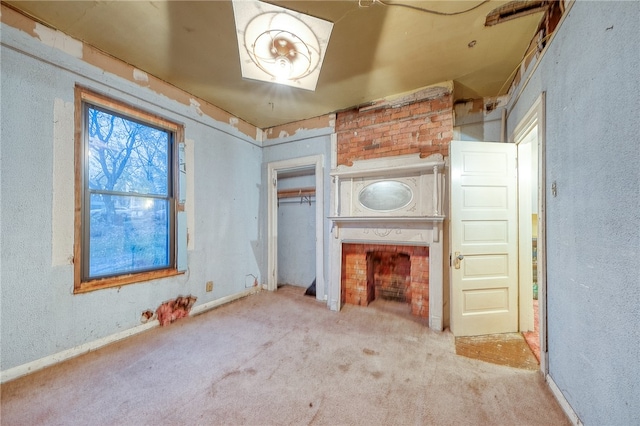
[(85, 96)]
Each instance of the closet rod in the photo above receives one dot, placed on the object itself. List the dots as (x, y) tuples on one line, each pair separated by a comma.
[(297, 192)]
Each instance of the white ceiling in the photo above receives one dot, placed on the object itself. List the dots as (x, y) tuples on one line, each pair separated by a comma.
[(375, 50)]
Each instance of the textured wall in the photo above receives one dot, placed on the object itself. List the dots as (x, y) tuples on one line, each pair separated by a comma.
[(590, 76), (40, 315)]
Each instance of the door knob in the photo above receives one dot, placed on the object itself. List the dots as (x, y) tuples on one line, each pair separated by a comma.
[(457, 259)]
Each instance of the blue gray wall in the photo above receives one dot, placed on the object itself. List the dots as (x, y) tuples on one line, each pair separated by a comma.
[(590, 76), (40, 315)]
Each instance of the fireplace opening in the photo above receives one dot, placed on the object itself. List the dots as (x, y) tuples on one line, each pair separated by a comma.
[(390, 275), (387, 272)]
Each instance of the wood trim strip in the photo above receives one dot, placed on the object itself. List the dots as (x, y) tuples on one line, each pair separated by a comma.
[(88, 286), (121, 107), (79, 185), (297, 192)]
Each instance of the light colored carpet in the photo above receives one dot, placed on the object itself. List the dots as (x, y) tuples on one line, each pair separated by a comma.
[(277, 359)]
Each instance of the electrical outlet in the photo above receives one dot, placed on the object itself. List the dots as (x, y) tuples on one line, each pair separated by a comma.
[(209, 286)]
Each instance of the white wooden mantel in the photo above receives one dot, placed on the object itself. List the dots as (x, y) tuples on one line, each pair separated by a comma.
[(419, 223)]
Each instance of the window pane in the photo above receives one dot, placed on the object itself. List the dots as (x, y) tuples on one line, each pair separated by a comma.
[(128, 234), (126, 156)]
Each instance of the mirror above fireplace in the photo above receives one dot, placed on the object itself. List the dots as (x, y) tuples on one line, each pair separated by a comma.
[(405, 186), (385, 195)]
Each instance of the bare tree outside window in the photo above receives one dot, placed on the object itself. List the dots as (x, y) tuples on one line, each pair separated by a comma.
[(127, 195)]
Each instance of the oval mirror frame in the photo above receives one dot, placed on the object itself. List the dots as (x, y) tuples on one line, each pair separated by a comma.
[(385, 196)]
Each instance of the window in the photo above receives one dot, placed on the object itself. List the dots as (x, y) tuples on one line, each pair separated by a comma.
[(126, 204)]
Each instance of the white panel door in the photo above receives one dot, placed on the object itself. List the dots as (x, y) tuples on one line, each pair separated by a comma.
[(484, 238)]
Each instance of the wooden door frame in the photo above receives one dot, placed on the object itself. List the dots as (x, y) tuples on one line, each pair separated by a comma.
[(525, 231), (536, 117)]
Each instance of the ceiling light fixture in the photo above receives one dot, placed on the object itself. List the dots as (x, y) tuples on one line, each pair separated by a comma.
[(278, 45)]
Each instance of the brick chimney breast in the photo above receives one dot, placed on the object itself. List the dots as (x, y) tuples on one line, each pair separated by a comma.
[(424, 127)]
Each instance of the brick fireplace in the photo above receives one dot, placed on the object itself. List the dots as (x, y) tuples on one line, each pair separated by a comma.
[(413, 231), (387, 199), (383, 271)]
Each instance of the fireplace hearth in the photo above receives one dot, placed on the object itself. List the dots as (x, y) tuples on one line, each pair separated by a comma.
[(390, 272)]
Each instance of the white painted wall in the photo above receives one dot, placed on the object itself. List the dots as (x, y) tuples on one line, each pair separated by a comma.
[(590, 76), (40, 316)]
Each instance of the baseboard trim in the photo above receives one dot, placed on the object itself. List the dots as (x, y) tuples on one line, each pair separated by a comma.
[(564, 404), (196, 310), (39, 364)]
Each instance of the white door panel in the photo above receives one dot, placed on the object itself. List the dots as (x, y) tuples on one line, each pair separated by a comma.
[(484, 275)]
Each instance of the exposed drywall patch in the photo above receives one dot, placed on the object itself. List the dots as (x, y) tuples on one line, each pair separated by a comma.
[(334, 150), (63, 184), (140, 76), (233, 121), (196, 105), (290, 129), (332, 120), (465, 107), (17, 20), (59, 40)]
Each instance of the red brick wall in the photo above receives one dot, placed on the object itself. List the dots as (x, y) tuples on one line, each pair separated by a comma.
[(354, 274), (425, 127), (420, 285)]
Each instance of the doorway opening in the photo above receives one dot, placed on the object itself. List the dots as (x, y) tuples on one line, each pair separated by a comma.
[(295, 172), (296, 228), (529, 138)]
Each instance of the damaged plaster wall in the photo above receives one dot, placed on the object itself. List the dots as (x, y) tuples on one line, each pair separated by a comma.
[(305, 142), (40, 315), (477, 120), (590, 76)]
